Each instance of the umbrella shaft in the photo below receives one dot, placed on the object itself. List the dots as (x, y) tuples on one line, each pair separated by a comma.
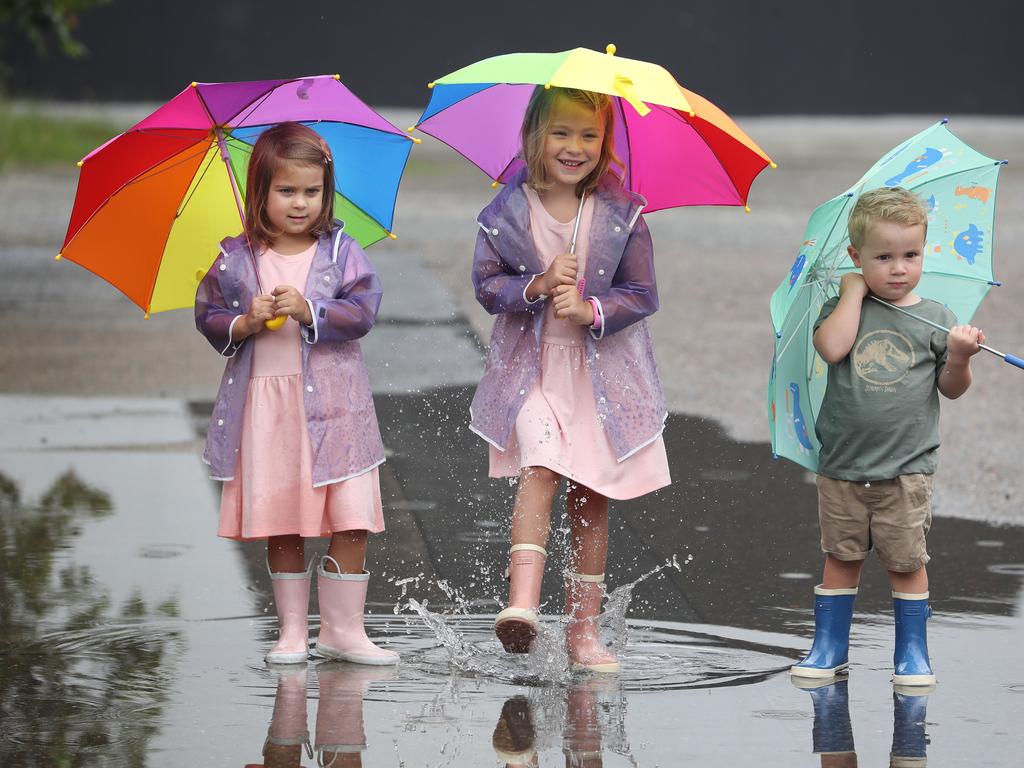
[(933, 325), (226, 157)]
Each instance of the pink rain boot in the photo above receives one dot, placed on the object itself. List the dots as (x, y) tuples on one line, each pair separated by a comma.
[(342, 600), (583, 596), (288, 732), (291, 601), (516, 626)]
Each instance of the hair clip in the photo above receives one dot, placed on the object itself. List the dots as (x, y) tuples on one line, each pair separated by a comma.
[(326, 150)]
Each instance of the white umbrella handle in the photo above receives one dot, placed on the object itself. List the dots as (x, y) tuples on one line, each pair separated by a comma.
[(1011, 359), (582, 281)]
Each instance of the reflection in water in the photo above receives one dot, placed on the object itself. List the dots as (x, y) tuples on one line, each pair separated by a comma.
[(84, 687), (582, 717), (340, 738), (832, 734)]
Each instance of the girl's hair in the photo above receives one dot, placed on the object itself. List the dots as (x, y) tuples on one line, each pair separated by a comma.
[(285, 143), (537, 123), (894, 204)]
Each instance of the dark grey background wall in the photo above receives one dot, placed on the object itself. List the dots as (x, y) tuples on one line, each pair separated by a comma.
[(792, 56)]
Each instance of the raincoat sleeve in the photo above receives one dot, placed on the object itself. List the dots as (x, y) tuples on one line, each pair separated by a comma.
[(213, 319), (633, 294), (352, 311), (498, 289)]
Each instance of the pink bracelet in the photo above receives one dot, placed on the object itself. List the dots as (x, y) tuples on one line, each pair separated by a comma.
[(597, 315)]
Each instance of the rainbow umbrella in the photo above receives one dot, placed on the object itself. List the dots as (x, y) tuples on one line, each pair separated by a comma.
[(153, 203), (678, 148)]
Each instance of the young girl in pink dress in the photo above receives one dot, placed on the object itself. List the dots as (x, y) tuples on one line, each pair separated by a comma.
[(570, 390), (294, 433)]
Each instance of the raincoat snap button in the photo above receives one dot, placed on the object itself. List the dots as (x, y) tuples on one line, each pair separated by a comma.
[(522, 267), (522, 391), (309, 389), (220, 422), (234, 303), (231, 381), (327, 278), (600, 271), (223, 267), (494, 231), (618, 228)]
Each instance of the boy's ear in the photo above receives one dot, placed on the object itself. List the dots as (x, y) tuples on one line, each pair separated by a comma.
[(853, 255)]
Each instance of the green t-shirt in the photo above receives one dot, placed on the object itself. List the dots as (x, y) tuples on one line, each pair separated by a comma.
[(880, 415)]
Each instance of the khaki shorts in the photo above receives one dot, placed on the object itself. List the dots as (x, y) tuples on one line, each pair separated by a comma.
[(891, 516)]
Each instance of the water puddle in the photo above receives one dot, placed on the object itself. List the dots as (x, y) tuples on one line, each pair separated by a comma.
[(133, 636)]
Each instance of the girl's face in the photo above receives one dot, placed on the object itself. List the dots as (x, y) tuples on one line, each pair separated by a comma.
[(572, 146), (295, 198)]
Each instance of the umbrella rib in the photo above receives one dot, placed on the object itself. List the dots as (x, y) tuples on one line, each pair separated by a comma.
[(148, 174), (629, 146)]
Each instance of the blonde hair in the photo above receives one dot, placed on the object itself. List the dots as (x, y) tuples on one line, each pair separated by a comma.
[(285, 143), (894, 204), (537, 123)]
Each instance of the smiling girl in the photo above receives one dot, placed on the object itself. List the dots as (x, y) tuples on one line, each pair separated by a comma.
[(570, 390)]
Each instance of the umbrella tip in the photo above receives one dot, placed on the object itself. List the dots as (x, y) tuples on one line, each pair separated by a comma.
[(416, 140), (392, 235), (778, 334), (775, 456), (146, 316), (1002, 162), (746, 209), (547, 86), (774, 165), (336, 76), (945, 120), (494, 184), (79, 163), (692, 113), (430, 85), (610, 49), (58, 257), (411, 128), (194, 84)]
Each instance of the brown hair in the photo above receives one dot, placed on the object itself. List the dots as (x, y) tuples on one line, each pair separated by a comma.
[(887, 204), (285, 143), (537, 122)]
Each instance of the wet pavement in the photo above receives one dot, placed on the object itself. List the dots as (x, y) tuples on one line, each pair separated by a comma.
[(133, 636)]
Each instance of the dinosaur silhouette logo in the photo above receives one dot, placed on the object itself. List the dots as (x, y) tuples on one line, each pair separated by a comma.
[(883, 357)]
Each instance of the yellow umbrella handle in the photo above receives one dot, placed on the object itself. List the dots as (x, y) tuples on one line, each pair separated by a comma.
[(275, 323)]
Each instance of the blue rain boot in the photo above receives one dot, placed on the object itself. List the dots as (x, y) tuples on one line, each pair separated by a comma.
[(832, 733), (829, 655), (911, 656), (909, 740)]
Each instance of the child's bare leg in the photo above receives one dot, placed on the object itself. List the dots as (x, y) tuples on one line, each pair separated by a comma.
[(286, 554), (531, 513), (588, 526), (348, 548), (914, 582), (841, 574)]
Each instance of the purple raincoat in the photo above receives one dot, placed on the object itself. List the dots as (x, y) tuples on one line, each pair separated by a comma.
[(343, 293), (620, 356)]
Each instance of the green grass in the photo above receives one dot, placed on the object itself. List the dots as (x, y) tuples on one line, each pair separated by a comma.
[(31, 140)]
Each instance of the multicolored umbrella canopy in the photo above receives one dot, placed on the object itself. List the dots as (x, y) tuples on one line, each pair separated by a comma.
[(958, 187), (678, 148), (153, 203)]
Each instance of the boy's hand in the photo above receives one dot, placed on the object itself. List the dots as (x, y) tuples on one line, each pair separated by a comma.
[(290, 303), (569, 305), (963, 341), (261, 310), (561, 272), (853, 282)]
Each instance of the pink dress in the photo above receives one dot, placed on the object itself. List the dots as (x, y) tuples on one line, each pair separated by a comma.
[(272, 493), (558, 426)]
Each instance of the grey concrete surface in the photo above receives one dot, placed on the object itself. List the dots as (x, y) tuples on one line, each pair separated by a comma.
[(65, 332)]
